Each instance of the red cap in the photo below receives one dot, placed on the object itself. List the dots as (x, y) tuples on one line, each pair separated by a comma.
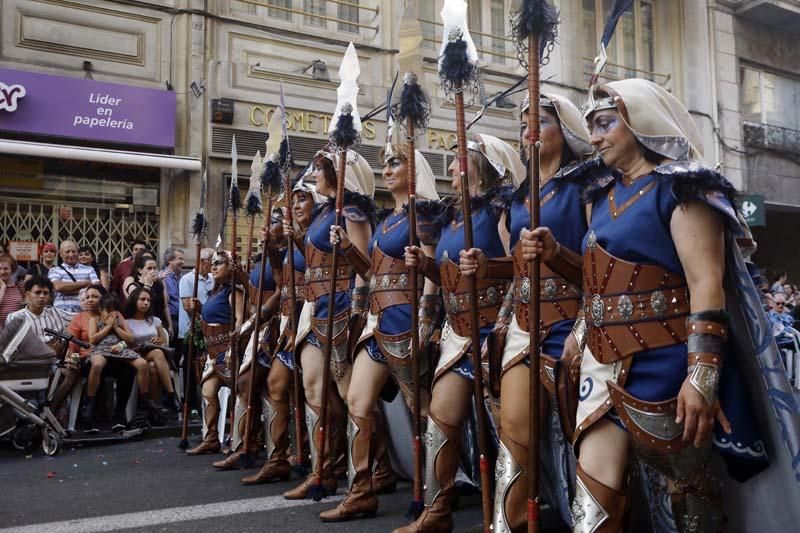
[(49, 246)]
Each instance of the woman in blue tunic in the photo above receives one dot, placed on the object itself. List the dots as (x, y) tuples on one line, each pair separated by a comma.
[(384, 347), (652, 379), (491, 161), (275, 250), (219, 322), (351, 289), (565, 143), (275, 403)]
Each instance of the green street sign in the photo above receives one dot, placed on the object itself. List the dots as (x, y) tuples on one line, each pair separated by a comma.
[(752, 207)]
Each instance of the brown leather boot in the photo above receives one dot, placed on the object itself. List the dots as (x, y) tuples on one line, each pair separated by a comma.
[(210, 442), (384, 480), (276, 435), (441, 465), (360, 499), (597, 507), (232, 461), (511, 486), (329, 483)]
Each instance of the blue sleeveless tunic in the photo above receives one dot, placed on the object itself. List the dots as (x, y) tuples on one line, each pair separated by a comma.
[(217, 310), (319, 235), (561, 210), (641, 234), (285, 356), (486, 214)]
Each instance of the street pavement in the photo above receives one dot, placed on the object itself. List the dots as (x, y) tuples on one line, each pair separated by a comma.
[(150, 485)]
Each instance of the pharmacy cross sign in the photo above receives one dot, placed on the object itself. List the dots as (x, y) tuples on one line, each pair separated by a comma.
[(10, 95)]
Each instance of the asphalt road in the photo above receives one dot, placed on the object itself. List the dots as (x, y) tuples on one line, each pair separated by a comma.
[(150, 485)]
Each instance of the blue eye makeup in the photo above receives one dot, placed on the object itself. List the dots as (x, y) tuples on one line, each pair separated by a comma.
[(603, 124)]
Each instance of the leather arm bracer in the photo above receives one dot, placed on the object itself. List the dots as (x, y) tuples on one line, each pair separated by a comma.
[(358, 260), (708, 332), (430, 307), (430, 270), (567, 264)]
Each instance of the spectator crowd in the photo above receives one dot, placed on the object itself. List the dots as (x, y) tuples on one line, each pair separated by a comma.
[(134, 318)]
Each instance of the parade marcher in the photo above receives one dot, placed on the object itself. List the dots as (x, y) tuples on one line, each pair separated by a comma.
[(266, 338), (275, 404), (386, 338), (565, 143), (658, 373), (351, 291), (220, 322), (491, 161)]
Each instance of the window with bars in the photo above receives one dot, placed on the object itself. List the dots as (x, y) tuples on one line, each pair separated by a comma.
[(631, 50)]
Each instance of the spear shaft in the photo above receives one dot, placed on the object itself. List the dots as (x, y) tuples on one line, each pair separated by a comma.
[(534, 267), (234, 342), (411, 165), (292, 327), (190, 354), (480, 408), (326, 367)]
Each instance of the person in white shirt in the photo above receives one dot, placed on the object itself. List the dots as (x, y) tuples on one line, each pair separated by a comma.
[(37, 311), (69, 278), (186, 285)]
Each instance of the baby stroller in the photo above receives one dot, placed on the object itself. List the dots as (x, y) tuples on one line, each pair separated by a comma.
[(25, 363)]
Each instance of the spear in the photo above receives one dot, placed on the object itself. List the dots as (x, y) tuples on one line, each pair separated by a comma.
[(289, 277), (199, 230), (534, 28), (267, 180), (414, 112), (252, 203), (458, 70), (234, 204), (344, 132)]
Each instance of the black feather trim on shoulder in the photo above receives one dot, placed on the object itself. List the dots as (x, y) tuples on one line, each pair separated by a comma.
[(271, 177), (690, 181), (497, 198), (382, 214), (356, 206), (345, 134), (429, 217), (455, 68)]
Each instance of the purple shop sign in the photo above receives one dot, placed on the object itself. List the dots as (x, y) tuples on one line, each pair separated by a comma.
[(86, 109)]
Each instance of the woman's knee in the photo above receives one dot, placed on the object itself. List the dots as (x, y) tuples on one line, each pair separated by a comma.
[(604, 451), (450, 399), (278, 382)]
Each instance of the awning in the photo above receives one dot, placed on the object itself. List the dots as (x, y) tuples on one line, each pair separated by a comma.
[(100, 155)]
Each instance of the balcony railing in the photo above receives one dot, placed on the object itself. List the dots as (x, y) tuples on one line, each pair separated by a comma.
[(767, 137)]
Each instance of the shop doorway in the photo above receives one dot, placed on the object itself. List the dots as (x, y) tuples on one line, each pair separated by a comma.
[(107, 229)]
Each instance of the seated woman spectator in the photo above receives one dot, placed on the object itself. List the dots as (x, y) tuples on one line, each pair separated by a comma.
[(145, 274), (86, 257), (79, 328), (110, 335), (11, 291), (147, 328)]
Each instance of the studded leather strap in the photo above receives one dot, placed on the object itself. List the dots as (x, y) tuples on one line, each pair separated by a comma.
[(630, 307), (457, 302), (390, 284)]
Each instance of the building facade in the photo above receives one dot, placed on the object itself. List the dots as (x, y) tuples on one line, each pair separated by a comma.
[(757, 59), (223, 62)]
